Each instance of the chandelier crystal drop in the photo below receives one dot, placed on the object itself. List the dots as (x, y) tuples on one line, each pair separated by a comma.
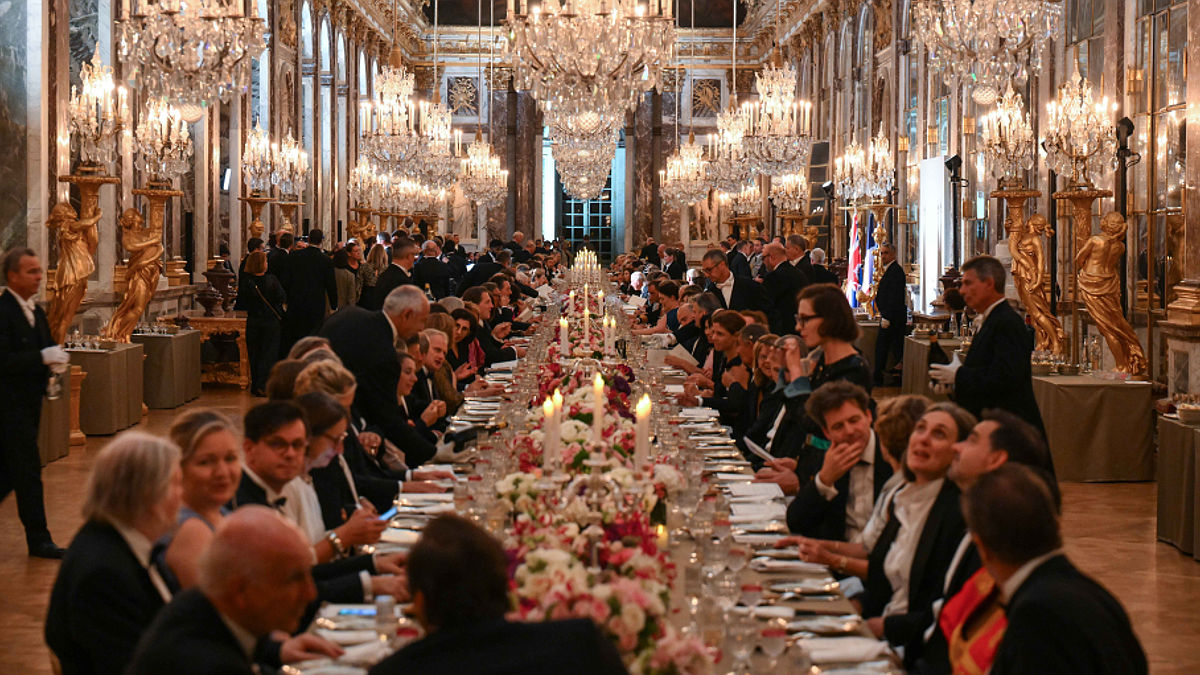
[(685, 180), (1080, 138), (98, 111), (985, 43), (778, 135), (1008, 139), (289, 168), (164, 145), (482, 180), (582, 55), (790, 193), (188, 51), (257, 161)]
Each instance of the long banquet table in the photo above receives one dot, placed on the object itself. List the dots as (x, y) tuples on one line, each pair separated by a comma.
[(801, 600)]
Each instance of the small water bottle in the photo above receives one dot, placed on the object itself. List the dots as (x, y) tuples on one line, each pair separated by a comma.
[(385, 618)]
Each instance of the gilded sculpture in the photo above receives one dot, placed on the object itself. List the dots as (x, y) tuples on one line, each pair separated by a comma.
[(1028, 268), (77, 239), (144, 245), (1100, 289)]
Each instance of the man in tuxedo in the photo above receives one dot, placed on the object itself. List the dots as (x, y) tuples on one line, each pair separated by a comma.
[(278, 257), (781, 283), (890, 302), (649, 252), (821, 273), (736, 293), (797, 252), (458, 580), (366, 342), (517, 243), (255, 579), (996, 372), (431, 271), (739, 260), (839, 499), (485, 267), (399, 273), (1059, 619), (27, 356), (675, 266), (310, 284)]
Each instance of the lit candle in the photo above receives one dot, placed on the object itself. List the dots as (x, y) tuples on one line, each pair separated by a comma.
[(600, 300), (642, 432), (550, 436), (598, 408), (587, 327), (571, 303), (564, 339)]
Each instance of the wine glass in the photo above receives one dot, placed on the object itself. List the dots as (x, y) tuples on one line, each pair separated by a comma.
[(773, 640), (752, 595)]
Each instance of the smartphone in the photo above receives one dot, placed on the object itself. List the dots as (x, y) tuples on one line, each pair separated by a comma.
[(357, 611), (389, 514), (817, 442)]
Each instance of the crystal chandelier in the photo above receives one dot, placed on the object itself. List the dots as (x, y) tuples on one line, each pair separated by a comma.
[(985, 43), (1080, 140), (164, 145), (364, 183), (745, 201), (482, 180), (289, 168), (684, 181), (584, 162), (778, 136), (865, 173), (581, 55), (402, 194), (1008, 139), (850, 172), (729, 168), (188, 51), (388, 124), (439, 160), (256, 161), (97, 116), (790, 193)]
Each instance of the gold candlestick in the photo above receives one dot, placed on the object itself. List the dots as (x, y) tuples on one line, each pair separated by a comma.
[(257, 201), (77, 238), (288, 211)]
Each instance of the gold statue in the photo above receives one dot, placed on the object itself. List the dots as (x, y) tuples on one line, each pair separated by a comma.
[(145, 249), (1099, 287), (1028, 266), (77, 239)]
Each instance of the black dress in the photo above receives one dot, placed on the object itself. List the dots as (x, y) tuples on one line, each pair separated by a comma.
[(262, 298)]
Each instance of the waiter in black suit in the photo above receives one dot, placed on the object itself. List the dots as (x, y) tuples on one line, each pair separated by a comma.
[(736, 293), (739, 260), (649, 252), (255, 580), (677, 267), (893, 311), (797, 251), (431, 271), (309, 283), (277, 257), (485, 266), (1059, 619), (397, 274), (996, 372), (27, 355), (781, 283)]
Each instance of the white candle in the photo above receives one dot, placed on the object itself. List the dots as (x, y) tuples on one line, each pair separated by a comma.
[(598, 408), (571, 303), (642, 432), (562, 337), (587, 327), (550, 436)]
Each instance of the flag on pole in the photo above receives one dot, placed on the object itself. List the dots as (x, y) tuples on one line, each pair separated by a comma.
[(855, 267), (868, 274)]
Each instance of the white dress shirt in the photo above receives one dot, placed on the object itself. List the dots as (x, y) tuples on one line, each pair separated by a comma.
[(861, 500), (26, 304), (1009, 588), (142, 547), (272, 495), (874, 527), (913, 503), (245, 638), (726, 288), (983, 317), (304, 508)]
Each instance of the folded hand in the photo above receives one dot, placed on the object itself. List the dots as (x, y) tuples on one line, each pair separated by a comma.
[(308, 646)]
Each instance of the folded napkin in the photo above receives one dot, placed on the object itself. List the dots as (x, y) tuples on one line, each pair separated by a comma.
[(428, 508), (769, 490), (757, 539), (424, 497), (770, 565), (674, 389), (734, 477), (766, 612), (347, 637), (700, 413), (753, 512), (826, 625), (843, 649), (506, 365), (395, 535)]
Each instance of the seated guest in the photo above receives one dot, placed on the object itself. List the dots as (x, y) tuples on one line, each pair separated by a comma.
[(732, 291), (1059, 619), (465, 353), (424, 392), (365, 341), (440, 332), (306, 345), (730, 376), (254, 580), (838, 487), (281, 382), (695, 323), (666, 294), (420, 419), (965, 631), (108, 590), (275, 451), (457, 576), (489, 337), (211, 466)]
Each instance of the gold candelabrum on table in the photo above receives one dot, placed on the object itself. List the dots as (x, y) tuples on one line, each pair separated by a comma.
[(258, 163), (289, 170)]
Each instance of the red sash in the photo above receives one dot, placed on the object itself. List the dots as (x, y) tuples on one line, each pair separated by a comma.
[(973, 623)]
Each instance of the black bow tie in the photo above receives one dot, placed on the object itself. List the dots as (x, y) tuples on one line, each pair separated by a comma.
[(279, 503)]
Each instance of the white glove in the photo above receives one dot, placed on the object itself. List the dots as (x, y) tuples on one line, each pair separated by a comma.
[(945, 374), (55, 354), (884, 323)]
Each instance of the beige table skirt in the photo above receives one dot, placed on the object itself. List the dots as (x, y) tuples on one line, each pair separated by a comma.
[(1098, 430), (1177, 498), (916, 366), (868, 335), (171, 373), (54, 427), (111, 397)]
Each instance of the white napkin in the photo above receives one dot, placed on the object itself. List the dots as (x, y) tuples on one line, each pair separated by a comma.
[(418, 498), (767, 612), (674, 389), (347, 637), (771, 565), (842, 649), (734, 477), (753, 512), (758, 538), (428, 509), (767, 490), (698, 413), (506, 365), (395, 535)]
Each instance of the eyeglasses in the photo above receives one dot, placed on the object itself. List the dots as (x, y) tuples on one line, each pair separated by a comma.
[(805, 318), (280, 445), (708, 270), (336, 440)]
